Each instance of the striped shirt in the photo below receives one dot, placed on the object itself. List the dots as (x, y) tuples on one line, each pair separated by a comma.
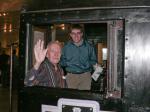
[(46, 75)]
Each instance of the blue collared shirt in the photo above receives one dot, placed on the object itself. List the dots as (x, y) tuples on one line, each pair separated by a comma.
[(78, 59)]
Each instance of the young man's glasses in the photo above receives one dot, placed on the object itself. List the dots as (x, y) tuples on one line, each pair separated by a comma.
[(74, 34)]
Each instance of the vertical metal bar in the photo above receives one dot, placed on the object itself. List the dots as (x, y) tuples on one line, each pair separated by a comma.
[(54, 33), (110, 56), (115, 56), (10, 83), (27, 47)]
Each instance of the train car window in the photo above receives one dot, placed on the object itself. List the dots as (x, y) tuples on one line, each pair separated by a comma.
[(38, 33), (105, 36)]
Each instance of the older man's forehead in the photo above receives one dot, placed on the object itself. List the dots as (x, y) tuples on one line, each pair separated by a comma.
[(54, 46)]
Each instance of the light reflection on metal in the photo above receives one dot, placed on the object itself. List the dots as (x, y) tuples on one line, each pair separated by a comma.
[(2, 14), (10, 27), (10, 30), (5, 31), (52, 27), (62, 26), (5, 27)]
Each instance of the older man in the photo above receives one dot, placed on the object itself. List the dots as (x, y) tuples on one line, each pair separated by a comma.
[(46, 70)]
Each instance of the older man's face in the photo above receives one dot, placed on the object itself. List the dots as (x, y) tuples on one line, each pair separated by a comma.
[(54, 53)]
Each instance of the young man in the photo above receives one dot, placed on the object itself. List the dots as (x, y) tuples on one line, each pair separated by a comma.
[(78, 58), (46, 71)]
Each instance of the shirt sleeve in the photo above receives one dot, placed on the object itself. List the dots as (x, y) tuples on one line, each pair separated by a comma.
[(30, 78), (93, 58), (33, 77)]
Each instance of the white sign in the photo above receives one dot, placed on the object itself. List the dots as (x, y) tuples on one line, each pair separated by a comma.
[(49, 108)]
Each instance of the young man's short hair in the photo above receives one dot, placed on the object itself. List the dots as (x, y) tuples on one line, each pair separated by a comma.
[(76, 26)]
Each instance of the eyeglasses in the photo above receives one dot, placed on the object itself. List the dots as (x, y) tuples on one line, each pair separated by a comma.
[(74, 34)]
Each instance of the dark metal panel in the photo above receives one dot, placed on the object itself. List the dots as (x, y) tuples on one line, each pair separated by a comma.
[(22, 46), (60, 4), (137, 70), (85, 15), (31, 98)]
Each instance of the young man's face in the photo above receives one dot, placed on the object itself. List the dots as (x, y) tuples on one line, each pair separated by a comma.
[(54, 53), (76, 35)]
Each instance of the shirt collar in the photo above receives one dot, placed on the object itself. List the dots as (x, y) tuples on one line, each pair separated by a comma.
[(46, 59), (82, 42)]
